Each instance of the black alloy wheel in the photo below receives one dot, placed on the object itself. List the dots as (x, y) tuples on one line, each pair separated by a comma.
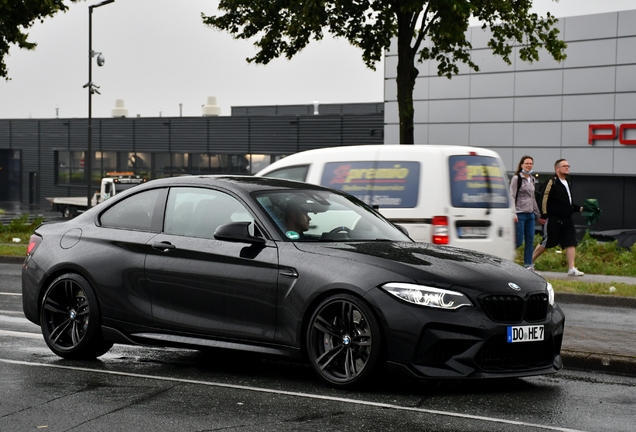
[(343, 341), (70, 319)]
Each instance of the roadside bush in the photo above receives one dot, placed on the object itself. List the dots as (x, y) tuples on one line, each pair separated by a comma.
[(19, 227), (592, 257)]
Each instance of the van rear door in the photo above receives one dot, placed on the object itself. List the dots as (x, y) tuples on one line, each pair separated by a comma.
[(481, 217)]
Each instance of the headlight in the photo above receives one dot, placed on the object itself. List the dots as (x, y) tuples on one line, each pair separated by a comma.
[(427, 296), (550, 293)]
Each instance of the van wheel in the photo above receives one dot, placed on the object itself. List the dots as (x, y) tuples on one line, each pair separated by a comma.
[(70, 319), (343, 341), (69, 212)]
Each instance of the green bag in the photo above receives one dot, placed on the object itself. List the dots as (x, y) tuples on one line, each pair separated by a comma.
[(591, 211)]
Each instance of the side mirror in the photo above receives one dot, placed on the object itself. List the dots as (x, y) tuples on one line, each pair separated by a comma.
[(402, 229), (238, 232)]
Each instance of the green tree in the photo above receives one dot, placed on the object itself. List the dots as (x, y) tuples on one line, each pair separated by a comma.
[(16, 16), (284, 27)]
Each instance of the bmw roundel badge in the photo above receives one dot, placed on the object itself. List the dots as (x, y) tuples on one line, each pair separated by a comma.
[(514, 286)]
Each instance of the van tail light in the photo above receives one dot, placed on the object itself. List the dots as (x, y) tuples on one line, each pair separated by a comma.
[(440, 230), (34, 241)]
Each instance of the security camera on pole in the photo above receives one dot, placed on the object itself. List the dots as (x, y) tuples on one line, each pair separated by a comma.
[(92, 88)]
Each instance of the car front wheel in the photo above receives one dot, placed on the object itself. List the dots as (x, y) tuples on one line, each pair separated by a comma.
[(343, 341), (70, 319)]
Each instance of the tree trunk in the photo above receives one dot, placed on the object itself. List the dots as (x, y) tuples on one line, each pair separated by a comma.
[(406, 74)]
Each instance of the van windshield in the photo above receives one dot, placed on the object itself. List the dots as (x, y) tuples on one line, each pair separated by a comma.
[(310, 215), (477, 182)]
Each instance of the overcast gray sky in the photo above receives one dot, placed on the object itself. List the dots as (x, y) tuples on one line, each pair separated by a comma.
[(159, 55)]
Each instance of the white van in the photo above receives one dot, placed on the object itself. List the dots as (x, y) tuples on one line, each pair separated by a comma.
[(441, 194)]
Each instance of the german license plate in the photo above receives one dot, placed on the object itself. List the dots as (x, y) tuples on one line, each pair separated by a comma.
[(472, 232), (525, 333)]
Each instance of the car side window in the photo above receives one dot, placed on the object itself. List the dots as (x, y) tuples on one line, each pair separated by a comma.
[(298, 172), (135, 212), (197, 212)]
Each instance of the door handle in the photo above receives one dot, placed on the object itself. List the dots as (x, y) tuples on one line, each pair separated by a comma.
[(163, 246)]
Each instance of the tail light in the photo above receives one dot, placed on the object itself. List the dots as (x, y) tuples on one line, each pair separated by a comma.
[(34, 241), (440, 230)]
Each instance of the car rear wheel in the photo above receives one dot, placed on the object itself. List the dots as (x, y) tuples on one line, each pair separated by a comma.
[(343, 341), (70, 319)]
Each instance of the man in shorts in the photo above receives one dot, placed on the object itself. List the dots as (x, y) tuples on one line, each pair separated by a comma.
[(556, 209)]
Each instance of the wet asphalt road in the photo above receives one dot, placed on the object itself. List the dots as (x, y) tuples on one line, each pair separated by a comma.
[(141, 389)]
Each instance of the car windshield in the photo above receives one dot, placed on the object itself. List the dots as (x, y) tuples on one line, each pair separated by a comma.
[(309, 215)]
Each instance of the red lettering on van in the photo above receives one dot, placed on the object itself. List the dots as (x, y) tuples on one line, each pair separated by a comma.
[(341, 174)]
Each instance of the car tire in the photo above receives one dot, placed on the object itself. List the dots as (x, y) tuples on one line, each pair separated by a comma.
[(70, 319), (344, 341)]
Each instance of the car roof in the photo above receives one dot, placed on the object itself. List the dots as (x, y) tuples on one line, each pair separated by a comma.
[(245, 183)]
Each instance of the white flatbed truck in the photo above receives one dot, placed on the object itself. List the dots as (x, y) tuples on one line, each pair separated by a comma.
[(114, 183)]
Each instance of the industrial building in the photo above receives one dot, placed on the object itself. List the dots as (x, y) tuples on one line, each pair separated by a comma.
[(45, 158)]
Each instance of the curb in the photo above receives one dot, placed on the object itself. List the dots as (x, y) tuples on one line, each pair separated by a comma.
[(594, 362), (595, 299), (11, 259)]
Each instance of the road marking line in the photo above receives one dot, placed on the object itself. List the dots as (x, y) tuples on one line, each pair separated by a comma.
[(296, 394), (20, 334)]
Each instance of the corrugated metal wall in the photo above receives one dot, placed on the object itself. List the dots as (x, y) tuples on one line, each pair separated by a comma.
[(269, 132)]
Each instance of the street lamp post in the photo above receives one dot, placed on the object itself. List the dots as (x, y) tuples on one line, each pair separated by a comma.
[(92, 88)]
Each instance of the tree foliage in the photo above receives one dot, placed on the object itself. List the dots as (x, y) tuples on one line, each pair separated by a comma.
[(16, 16), (434, 29)]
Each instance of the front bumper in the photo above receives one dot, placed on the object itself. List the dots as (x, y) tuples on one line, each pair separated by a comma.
[(464, 343)]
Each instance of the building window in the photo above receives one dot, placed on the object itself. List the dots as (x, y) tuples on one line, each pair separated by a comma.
[(69, 168), (136, 162), (70, 164)]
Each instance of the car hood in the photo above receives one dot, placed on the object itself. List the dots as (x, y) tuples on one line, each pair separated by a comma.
[(442, 266)]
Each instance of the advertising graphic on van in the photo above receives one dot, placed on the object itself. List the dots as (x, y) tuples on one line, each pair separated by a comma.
[(388, 184), (477, 182)]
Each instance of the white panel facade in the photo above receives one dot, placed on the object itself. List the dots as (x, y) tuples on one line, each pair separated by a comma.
[(589, 80), (492, 85), (444, 88), (588, 107), (575, 134), (626, 106), (626, 20), (447, 111), (624, 160), (626, 50), (491, 135), (390, 90), (626, 78), (538, 83), (597, 26), (537, 134), (491, 110), (453, 134), (589, 160), (544, 108), (591, 53)]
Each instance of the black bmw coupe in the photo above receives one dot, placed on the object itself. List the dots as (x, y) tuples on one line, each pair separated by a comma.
[(286, 268)]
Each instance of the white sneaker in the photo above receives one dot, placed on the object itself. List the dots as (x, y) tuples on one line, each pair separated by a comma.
[(531, 268), (575, 272)]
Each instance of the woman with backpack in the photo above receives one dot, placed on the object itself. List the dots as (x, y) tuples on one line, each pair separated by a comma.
[(526, 209)]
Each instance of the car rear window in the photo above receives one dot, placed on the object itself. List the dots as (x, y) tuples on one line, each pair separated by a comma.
[(477, 182), (388, 184)]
